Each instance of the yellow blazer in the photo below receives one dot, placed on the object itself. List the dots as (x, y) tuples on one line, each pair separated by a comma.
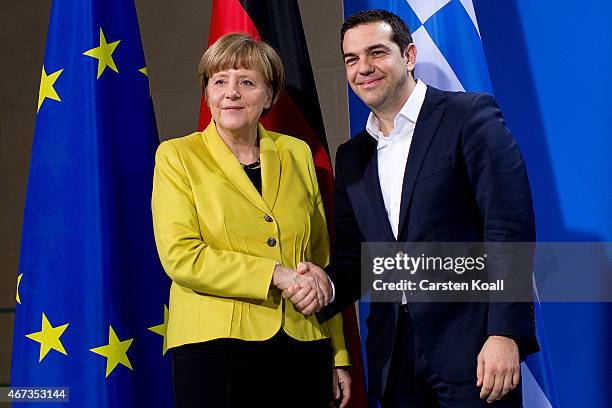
[(219, 239)]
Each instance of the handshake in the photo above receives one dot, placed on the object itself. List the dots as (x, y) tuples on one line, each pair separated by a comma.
[(307, 287)]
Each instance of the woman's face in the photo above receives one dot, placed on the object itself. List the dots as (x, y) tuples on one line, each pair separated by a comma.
[(236, 98)]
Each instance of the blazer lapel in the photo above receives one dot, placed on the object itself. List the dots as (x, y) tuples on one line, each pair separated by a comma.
[(372, 190), (229, 165), (426, 126), (270, 167)]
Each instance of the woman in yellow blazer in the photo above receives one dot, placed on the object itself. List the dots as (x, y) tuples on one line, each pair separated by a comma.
[(235, 209)]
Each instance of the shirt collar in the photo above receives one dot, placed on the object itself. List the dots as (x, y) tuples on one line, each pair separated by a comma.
[(410, 111)]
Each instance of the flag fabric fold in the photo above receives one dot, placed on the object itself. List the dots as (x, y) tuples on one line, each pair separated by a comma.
[(91, 312)]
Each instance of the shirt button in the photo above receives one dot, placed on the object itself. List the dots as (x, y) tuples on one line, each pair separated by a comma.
[(268, 218), (271, 242)]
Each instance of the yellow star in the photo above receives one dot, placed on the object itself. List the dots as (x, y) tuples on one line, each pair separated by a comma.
[(104, 54), (115, 351), (17, 298), (46, 89), (162, 329), (145, 73), (49, 338)]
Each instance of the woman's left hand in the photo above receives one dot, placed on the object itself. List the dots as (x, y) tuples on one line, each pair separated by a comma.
[(341, 387)]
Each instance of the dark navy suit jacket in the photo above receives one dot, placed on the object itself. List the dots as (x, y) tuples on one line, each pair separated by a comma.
[(465, 180)]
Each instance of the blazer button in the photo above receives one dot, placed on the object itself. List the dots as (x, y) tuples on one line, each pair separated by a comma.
[(268, 218), (271, 242)]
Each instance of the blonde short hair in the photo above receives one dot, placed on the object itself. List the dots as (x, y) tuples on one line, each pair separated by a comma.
[(238, 50)]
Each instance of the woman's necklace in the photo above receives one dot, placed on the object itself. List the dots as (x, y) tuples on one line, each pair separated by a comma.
[(252, 166)]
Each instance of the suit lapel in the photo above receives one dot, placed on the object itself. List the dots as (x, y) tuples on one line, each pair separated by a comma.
[(372, 190), (427, 123), (270, 167), (228, 165)]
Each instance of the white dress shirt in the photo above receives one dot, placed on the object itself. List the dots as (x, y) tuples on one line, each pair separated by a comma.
[(392, 156), (393, 151)]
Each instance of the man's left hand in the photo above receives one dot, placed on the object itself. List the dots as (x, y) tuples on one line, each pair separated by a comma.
[(498, 370)]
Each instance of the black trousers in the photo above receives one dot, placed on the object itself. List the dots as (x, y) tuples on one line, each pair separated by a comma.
[(279, 372), (413, 384)]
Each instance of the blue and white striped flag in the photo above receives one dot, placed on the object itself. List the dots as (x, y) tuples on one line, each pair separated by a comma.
[(450, 56), (449, 50)]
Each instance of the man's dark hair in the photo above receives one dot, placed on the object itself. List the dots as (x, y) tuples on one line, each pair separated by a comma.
[(401, 34)]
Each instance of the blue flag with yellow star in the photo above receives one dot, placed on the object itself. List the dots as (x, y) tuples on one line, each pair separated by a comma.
[(91, 292)]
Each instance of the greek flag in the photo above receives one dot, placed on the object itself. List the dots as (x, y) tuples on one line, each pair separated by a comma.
[(450, 56)]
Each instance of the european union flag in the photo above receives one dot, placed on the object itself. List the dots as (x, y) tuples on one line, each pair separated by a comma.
[(91, 292)]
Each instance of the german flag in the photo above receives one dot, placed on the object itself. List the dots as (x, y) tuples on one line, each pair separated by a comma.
[(297, 113)]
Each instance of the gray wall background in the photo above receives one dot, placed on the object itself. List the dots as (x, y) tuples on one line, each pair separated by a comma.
[(174, 35)]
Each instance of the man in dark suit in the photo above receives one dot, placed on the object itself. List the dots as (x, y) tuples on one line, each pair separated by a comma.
[(431, 166)]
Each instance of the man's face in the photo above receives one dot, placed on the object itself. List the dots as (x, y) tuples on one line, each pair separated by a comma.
[(376, 69)]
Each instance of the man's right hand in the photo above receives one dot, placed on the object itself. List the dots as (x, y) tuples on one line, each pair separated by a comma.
[(305, 291), (300, 297)]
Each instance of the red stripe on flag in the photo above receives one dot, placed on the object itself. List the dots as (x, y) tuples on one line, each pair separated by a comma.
[(285, 117), (227, 16)]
